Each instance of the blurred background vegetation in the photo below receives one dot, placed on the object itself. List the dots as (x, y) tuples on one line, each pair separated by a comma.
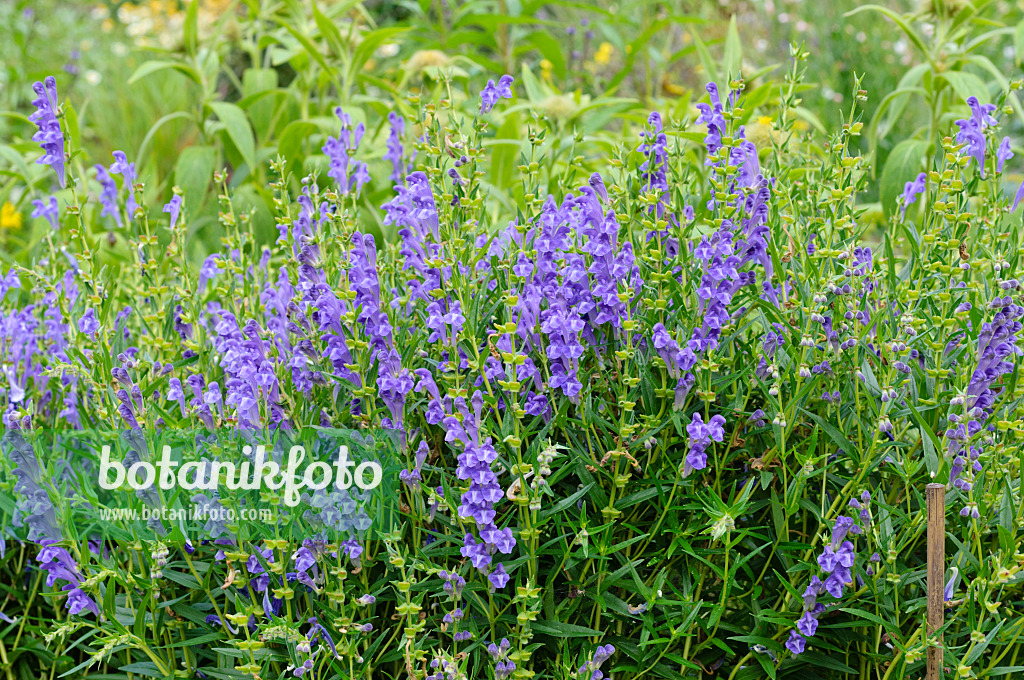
[(187, 88)]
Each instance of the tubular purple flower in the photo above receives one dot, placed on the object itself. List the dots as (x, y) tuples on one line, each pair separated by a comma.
[(499, 577), (1003, 154), (1017, 198), (173, 207), (807, 624), (796, 643), (950, 588), (490, 95), (122, 167), (911, 191), (78, 601), (47, 210), (108, 194), (88, 324)]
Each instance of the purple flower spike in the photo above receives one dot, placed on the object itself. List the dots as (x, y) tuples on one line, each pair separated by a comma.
[(50, 137)]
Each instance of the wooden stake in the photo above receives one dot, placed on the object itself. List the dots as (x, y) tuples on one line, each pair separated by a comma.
[(935, 495)]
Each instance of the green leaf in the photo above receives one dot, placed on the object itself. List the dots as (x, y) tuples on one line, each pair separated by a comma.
[(329, 31), (566, 502), (238, 129), (17, 159), (532, 85), (966, 84), (504, 157), (709, 64), (899, 21), (192, 28), (889, 627), (151, 133), (290, 144), (905, 161), (256, 81), (193, 173), (563, 630), (1018, 42), (371, 41), (71, 119), (733, 50), (837, 437), (551, 50), (150, 67), (144, 668)]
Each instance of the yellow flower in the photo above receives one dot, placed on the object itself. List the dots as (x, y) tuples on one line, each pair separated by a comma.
[(604, 53), (10, 218), (545, 69), (765, 120), (670, 88)]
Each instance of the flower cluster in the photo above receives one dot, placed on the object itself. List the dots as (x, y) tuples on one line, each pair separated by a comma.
[(837, 562)]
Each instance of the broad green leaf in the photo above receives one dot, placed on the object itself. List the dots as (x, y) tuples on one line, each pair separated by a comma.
[(193, 174), (551, 50), (709, 64), (238, 129), (966, 84), (290, 144), (905, 161), (505, 157), (254, 82)]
